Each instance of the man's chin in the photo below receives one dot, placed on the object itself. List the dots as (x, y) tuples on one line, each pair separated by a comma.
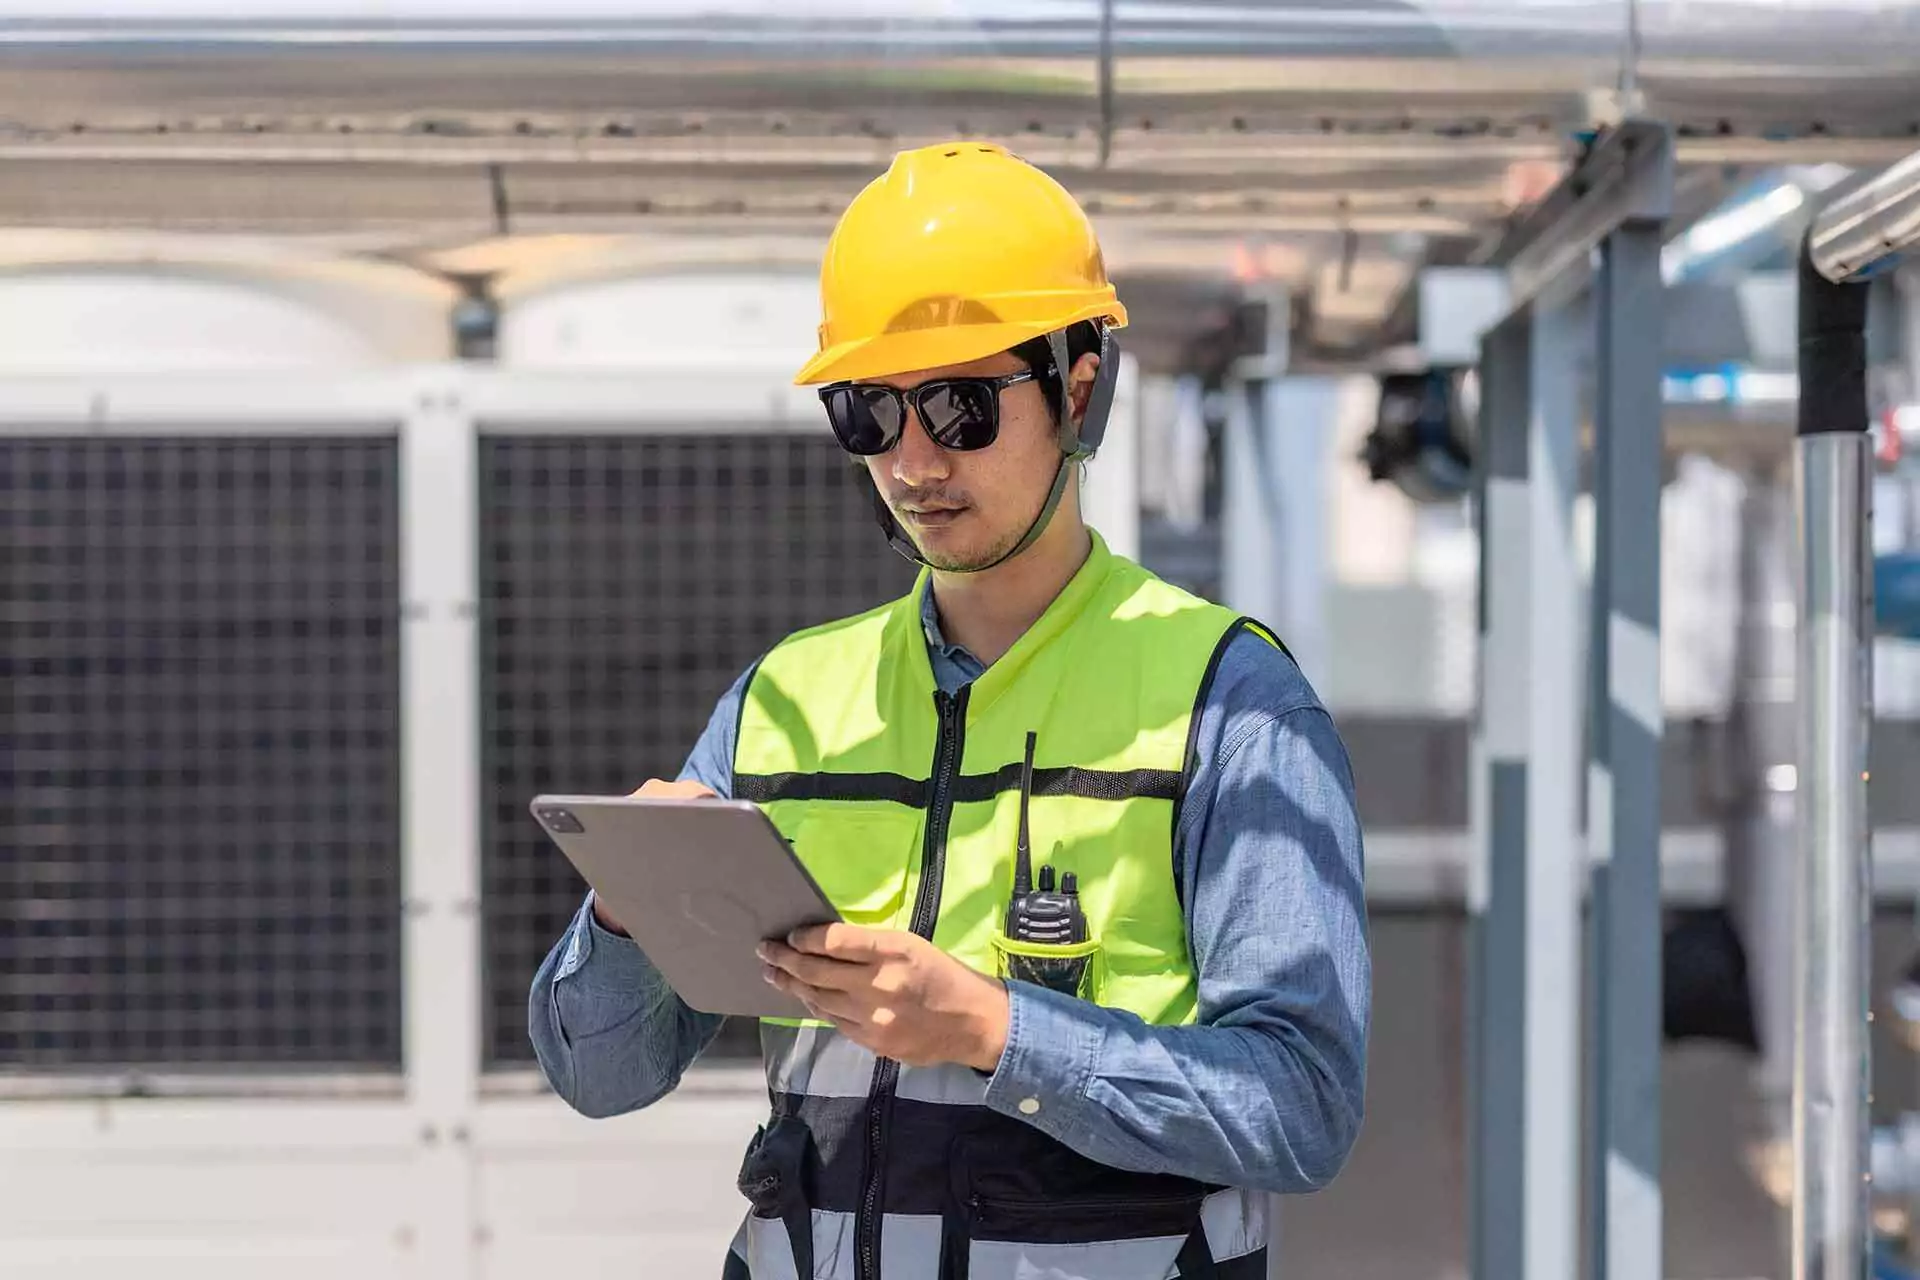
[(951, 546), (950, 559)]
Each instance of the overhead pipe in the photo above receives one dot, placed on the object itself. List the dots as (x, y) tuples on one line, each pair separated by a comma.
[(1868, 227), (1469, 68)]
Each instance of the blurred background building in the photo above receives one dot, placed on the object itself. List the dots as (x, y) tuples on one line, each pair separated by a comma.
[(395, 423)]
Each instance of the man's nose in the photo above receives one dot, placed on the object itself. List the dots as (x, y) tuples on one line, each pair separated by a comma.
[(917, 460)]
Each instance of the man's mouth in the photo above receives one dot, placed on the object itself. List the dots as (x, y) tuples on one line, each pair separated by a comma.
[(933, 517)]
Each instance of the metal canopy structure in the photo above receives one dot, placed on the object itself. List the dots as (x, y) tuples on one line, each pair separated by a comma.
[(1531, 862), (1331, 150)]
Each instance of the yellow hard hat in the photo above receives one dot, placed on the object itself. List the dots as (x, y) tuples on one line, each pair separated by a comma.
[(957, 251)]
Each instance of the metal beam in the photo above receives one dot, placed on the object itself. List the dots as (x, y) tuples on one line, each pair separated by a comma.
[(1870, 224), (1623, 783), (1529, 865), (1555, 853), (1496, 883), (1625, 176)]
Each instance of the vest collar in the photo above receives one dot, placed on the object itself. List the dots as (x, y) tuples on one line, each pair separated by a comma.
[(1066, 609)]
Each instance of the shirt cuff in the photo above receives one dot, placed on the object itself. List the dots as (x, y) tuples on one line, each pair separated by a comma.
[(1053, 1045), (598, 958)]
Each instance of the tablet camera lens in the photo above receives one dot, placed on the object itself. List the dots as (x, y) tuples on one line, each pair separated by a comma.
[(561, 820)]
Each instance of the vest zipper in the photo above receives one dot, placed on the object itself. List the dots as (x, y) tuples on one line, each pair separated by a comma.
[(926, 912)]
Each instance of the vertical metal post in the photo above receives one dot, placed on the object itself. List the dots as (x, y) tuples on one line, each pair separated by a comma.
[(1831, 1120), (1250, 569), (1249, 529), (1763, 867), (1830, 1117), (440, 791), (1494, 390), (1302, 416), (1831, 1137), (1497, 880), (1623, 772), (1110, 482), (1908, 284), (1555, 852)]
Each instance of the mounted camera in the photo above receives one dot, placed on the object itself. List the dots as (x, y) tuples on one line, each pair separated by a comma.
[(1422, 439)]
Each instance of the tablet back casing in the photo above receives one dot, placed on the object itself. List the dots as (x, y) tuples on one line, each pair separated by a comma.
[(697, 883)]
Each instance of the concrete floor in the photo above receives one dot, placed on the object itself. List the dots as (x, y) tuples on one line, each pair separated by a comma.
[(1400, 1208)]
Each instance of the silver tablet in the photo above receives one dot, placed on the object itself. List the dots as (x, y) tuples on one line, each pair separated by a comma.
[(697, 883)]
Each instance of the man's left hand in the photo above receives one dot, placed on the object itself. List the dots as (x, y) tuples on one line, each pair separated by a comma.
[(894, 993)]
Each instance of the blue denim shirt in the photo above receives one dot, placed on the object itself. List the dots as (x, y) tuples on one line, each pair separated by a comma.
[(1265, 1090)]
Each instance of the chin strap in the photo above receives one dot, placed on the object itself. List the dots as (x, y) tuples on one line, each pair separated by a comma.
[(1077, 441)]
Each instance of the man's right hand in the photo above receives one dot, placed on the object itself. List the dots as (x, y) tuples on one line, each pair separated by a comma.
[(652, 789)]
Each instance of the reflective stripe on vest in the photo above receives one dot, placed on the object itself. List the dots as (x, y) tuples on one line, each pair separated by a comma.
[(1236, 1226), (904, 805)]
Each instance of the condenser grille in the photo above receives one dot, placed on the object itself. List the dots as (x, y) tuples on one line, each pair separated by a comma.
[(626, 580), (199, 752)]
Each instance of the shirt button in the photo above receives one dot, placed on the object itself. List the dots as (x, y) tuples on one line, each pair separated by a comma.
[(1029, 1105)]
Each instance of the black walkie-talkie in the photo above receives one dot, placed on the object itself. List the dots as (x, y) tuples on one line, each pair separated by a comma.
[(1043, 916)]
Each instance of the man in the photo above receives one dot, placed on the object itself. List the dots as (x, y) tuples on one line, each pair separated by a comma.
[(1008, 1074)]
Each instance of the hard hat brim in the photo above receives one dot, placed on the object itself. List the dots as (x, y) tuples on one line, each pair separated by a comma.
[(887, 354)]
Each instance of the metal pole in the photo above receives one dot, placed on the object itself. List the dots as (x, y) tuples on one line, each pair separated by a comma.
[(1623, 782), (440, 777), (1908, 284), (1250, 531), (1110, 484), (1762, 858), (1302, 417), (1555, 852), (1831, 1136), (1525, 893), (1249, 506), (1496, 886)]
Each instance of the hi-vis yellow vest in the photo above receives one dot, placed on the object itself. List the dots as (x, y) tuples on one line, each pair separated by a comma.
[(904, 804)]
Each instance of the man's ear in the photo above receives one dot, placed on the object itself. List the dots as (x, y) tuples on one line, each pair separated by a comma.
[(1080, 384)]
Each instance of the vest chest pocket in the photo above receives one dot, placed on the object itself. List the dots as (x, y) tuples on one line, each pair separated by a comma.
[(860, 858), (1071, 968)]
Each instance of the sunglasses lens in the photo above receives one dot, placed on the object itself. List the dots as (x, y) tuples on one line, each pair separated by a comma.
[(962, 414), (865, 419)]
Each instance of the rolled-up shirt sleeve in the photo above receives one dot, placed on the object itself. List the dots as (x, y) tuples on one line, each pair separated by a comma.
[(608, 1031)]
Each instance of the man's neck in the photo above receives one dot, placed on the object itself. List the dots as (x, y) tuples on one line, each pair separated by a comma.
[(986, 612)]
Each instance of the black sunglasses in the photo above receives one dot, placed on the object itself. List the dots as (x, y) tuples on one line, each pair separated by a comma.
[(961, 414)]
